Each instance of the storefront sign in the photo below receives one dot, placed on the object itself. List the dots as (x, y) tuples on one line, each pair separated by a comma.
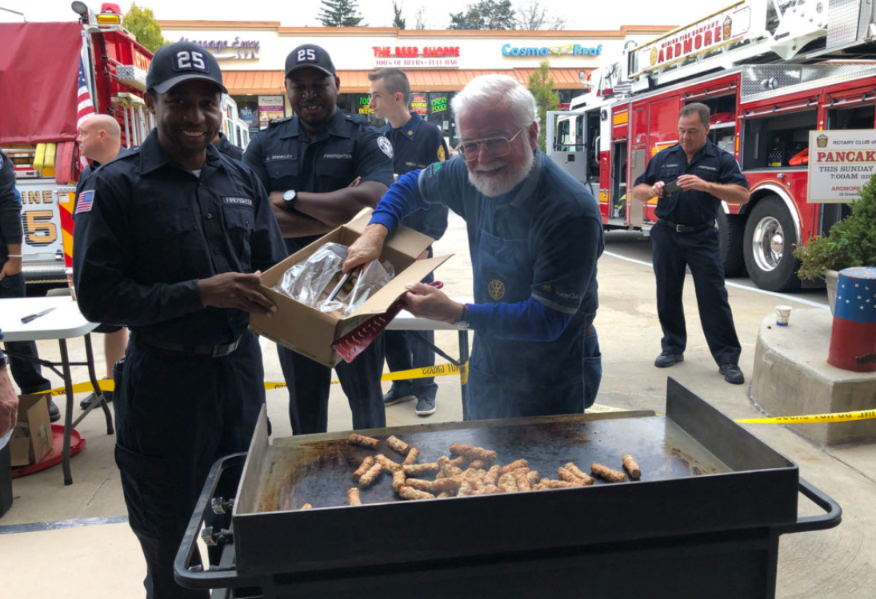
[(439, 104), (572, 49), (418, 104), (224, 49), (708, 34), (271, 108), (415, 57), (247, 116), (840, 164), (365, 105)]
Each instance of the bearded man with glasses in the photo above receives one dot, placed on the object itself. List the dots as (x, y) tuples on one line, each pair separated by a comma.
[(534, 234)]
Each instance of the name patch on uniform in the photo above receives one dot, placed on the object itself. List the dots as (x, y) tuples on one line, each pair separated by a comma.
[(384, 145), (281, 157), (669, 166), (232, 201), (85, 201), (708, 168), (340, 156)]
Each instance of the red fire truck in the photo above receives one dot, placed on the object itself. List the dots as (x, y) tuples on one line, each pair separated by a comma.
[(51, 75), (770, 72)]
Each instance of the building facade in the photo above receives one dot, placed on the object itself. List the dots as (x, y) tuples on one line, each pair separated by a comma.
[(438, 63)]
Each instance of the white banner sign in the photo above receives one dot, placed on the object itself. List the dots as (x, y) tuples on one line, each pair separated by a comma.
[(840, 164)]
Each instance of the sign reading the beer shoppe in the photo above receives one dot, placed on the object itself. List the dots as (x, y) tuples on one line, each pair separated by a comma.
[(725, 27), (840, 164), (415, 56)]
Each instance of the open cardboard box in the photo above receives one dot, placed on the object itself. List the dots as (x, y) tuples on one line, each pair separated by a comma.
[(33, 418), (310, 332)]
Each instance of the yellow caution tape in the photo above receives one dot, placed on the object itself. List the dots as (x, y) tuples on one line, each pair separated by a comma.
[(452, 369), (401, 375), (814, 418), (104, 384)]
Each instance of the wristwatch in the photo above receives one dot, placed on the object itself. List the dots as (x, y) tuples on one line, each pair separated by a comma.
[(289, 197), (462, 323)]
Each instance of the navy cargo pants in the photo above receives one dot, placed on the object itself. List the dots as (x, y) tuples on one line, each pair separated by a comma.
[(700, 250), (176, 415), (309, 383)]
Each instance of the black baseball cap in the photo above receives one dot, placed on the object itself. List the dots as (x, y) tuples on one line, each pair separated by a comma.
[(182, 61), (310, 55)]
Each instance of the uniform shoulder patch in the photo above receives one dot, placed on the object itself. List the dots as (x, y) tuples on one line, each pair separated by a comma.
[(85, 201), (442, 156), (384, 145)]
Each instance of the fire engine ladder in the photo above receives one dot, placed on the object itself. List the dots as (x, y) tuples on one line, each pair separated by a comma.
[(776, 30), (138, 121), (851, 26)]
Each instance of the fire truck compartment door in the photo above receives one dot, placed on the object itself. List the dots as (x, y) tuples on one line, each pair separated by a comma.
[(636, 209)]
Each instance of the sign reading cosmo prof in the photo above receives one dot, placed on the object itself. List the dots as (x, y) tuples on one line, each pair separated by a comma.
[(841, 162), (573, 49)]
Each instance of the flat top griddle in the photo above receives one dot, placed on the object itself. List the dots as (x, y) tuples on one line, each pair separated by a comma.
[(702, 473), (319, 472)]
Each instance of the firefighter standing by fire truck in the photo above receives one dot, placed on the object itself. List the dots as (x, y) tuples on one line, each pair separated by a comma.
[(685, 234)]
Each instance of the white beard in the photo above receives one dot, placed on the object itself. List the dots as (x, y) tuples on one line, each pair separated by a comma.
[(496, 186)]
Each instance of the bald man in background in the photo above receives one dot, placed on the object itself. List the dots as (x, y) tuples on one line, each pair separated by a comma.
[(100, 140)]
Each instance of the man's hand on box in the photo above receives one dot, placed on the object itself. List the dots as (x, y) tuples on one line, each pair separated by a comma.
[(8, 402), (236, 290), (425, 301), (367, 248)]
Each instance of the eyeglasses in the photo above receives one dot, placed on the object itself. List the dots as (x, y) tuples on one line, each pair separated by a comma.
[(497, 146)]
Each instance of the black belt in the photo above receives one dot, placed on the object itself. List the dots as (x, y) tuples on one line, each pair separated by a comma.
[(685, 228), (214, 351)]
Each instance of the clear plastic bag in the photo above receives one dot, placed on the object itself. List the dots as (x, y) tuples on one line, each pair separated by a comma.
[(311, 281), (306, 281), (371, 280)]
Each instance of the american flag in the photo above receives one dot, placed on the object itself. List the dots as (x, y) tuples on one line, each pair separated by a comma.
[(86, 199), (85, 107)]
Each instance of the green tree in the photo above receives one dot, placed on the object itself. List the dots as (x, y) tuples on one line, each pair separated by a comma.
[(398, 21), (486, 14), (340, 13), (541, 84), (141, 22)]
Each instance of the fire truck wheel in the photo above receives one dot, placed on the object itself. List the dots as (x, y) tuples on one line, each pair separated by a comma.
[(732, 229), (770, 238)]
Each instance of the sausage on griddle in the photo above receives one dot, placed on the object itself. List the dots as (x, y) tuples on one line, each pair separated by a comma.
[(398, 445), (364, 441), (609, 474), (632, 466)]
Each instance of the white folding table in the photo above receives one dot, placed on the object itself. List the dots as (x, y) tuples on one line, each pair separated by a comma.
[(64, 322), (406, 321)]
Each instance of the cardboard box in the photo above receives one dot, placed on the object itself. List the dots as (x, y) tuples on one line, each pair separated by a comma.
[(310, 332), (32, 438)]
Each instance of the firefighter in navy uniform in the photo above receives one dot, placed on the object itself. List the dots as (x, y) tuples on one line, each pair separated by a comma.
[(415, 144), (169, 240), (321, 168), (685, 234)]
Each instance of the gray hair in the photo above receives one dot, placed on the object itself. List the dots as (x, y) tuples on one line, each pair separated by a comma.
[(698, 109), (491, 92)]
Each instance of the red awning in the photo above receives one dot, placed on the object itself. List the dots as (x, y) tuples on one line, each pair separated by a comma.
[(39, 72)]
